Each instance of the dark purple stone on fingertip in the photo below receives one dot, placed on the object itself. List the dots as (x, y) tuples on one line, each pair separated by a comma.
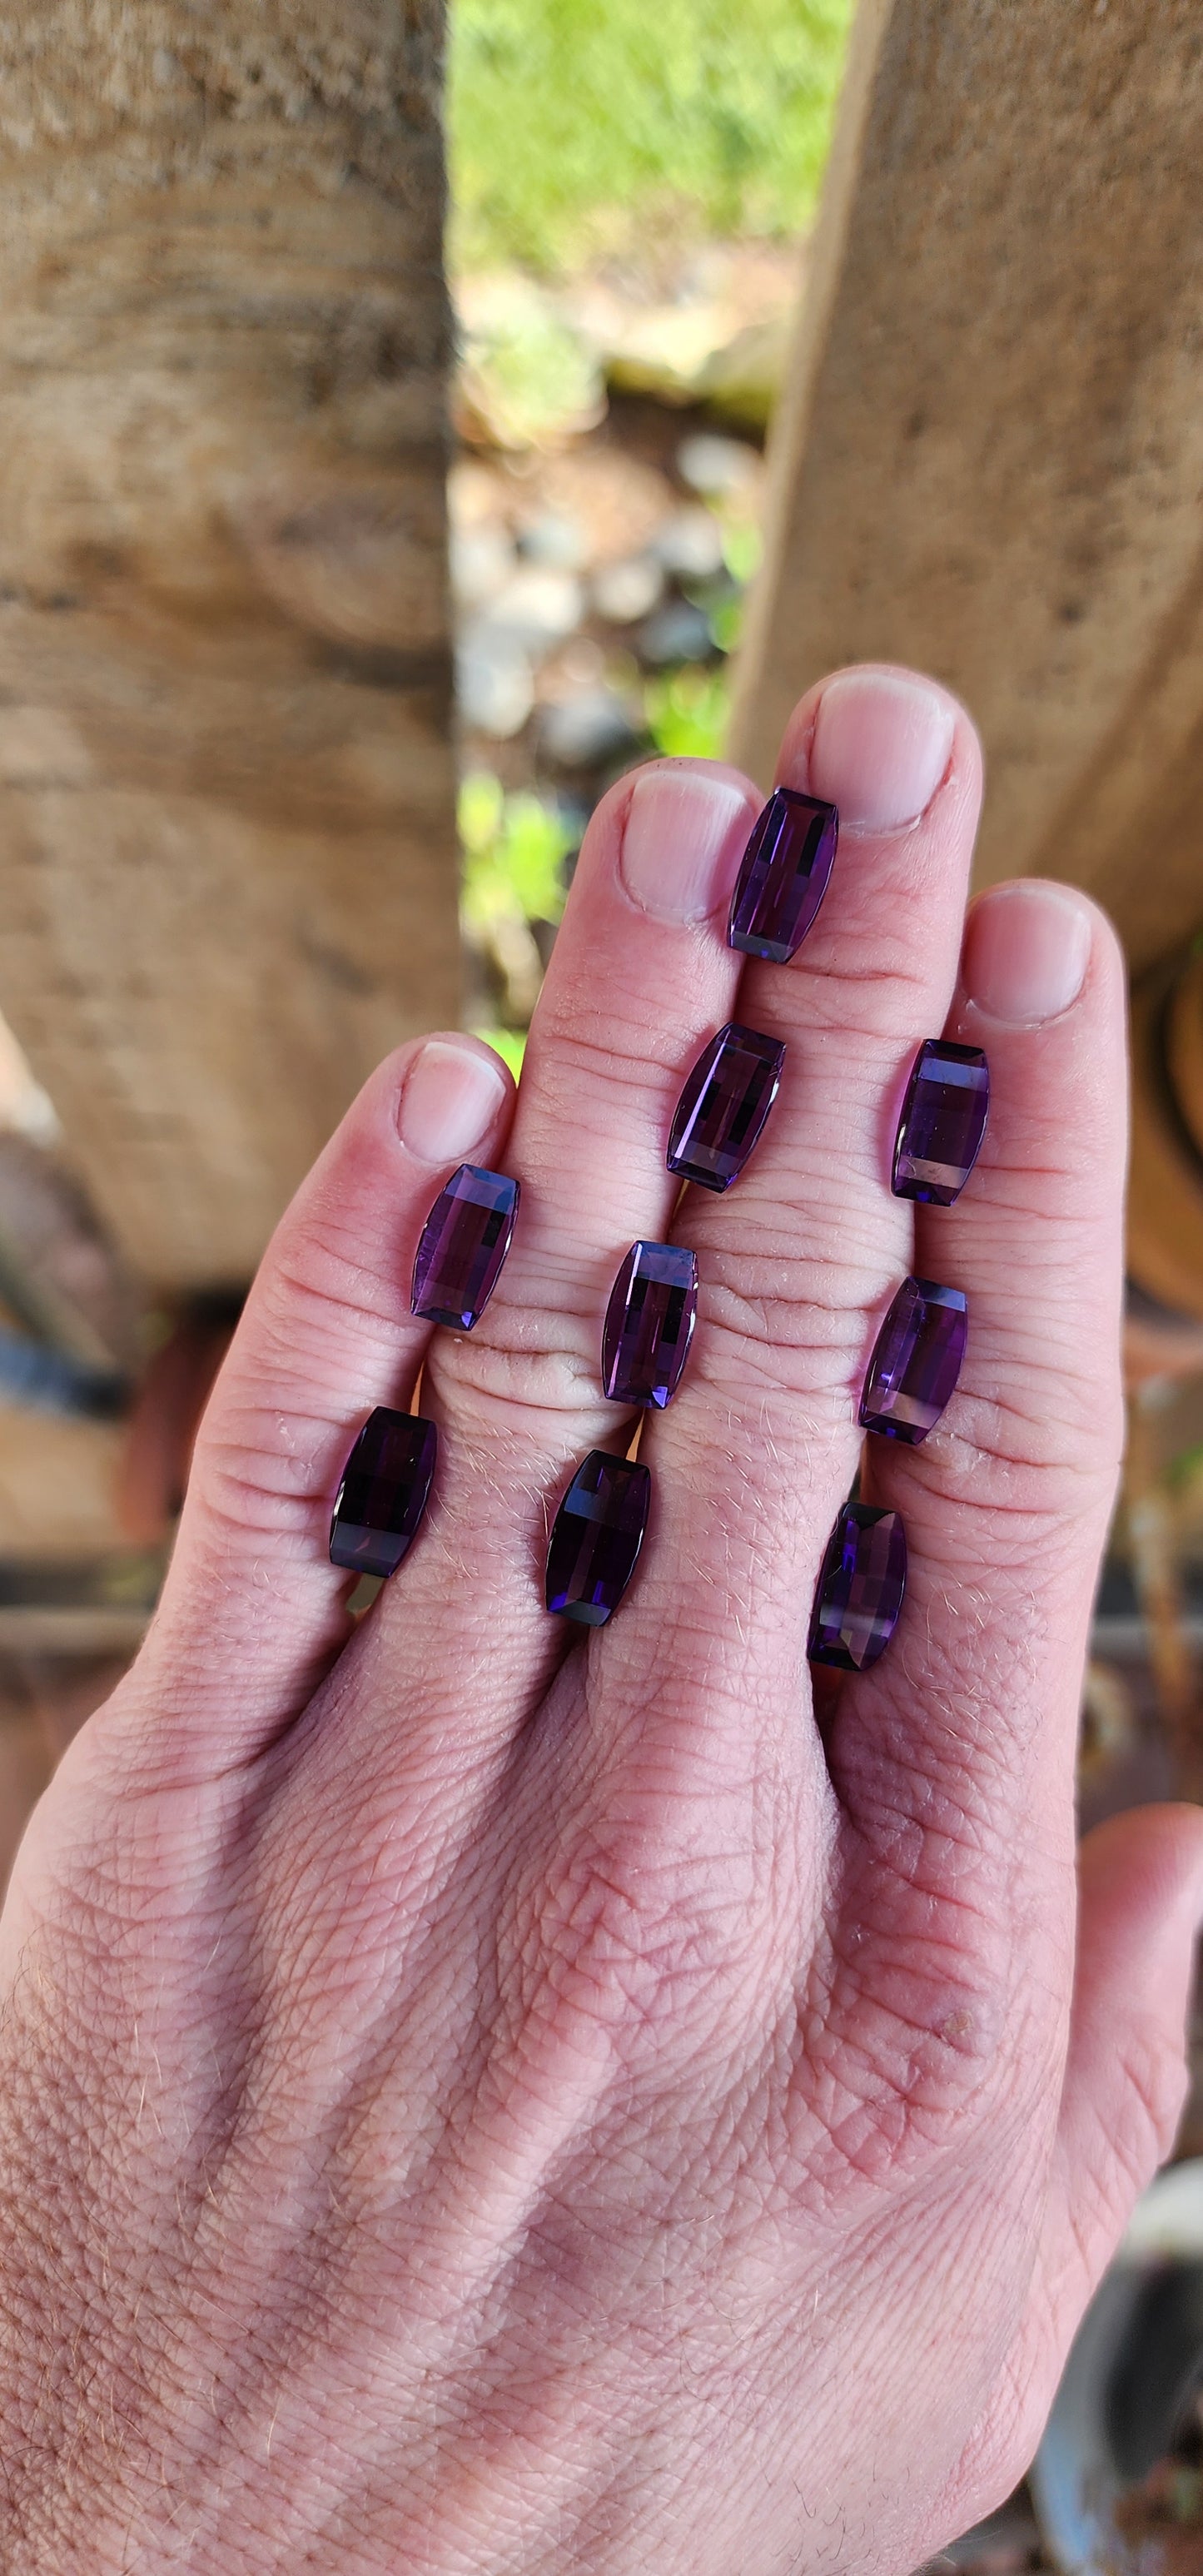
[(384, 1491), (596, 1537), (723, 1106), (916, 1361), (649, 1324), (943, 1122), (783, 875), (462, 1246), (861, 1589)]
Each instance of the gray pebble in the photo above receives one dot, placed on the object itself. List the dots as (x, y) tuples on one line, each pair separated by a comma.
[(678, 632), (482, 560), (716, 465), (494, 683), (538, 607), (690, 545), (624, 591), (582, 732), (553, 540)]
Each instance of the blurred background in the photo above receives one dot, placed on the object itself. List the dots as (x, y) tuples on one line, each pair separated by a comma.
[(405, 427)]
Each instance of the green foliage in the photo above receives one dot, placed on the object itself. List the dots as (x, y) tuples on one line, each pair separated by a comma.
[(687, 713), (509, 1044), (514, 851), (579, 125), (1186, 1470)]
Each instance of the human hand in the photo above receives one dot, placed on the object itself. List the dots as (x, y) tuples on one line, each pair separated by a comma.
[(477, 2097)]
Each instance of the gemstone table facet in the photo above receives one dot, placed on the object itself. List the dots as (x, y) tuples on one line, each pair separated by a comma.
[(462, 1246), (384, 1490), (596, 1537), (916, 1361), (649, 1324), (783, 875), (860, 1589), (724, 1105), (943, 1122)]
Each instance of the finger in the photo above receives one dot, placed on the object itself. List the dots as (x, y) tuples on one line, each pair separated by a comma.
[(954, 1755), (252, 1610), (761, 1442), (640, 976), (1141, 1897)]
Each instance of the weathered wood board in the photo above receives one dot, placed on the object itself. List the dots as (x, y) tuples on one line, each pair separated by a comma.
[(227, 877), (989, 458)]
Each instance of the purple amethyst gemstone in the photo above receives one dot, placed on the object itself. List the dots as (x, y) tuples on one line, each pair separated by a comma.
[(783, 877), (649, 1324), (462, 1246), (860, 1589), (723, 1106), (596, 1537), (943, 1122), (383, 1493), (916, 1361)]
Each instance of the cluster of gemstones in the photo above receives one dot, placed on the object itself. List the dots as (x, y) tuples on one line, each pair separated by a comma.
[(652, 1310)]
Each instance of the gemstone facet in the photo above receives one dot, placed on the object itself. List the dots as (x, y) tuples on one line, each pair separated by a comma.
[(860, 1589), (596, 1537), (724, 1104), (783, 875), (384, 1490), (462, 1246), (649, 1324), (916, 1361), (943, 1122)]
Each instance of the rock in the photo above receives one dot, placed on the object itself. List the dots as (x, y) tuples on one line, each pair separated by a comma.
[(617, 500), (554, 540), (537, 608), (678, 632), (625, 591), (481, 560), (584, 731), (494, 683), (690, 545), (717, 466)]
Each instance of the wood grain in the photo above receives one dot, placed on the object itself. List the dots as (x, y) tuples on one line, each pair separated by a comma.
[(990, 455), (227, 878)]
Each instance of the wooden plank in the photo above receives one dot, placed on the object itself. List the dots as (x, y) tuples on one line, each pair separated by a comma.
[(227, 879), (989, 458)]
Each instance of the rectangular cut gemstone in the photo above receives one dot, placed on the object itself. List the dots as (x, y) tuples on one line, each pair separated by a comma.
[(860, 1589), (916, 1361), (596, 1537), (649, 1323), (462, 1246), (783, 875), (384, 1491), (943, 1122), (724, 1105)]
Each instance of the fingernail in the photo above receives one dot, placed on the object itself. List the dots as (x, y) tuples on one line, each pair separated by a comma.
[(880, 747), (1026, 951), (682, 842), (452, 1095)]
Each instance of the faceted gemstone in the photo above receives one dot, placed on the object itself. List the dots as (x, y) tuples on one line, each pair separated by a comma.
[(916, 1361), (382, 1497), (596, 1536), (783, 877), (860, 1589), (943, 1122), (463, 1243), (649, 1323), (723, 1106)]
